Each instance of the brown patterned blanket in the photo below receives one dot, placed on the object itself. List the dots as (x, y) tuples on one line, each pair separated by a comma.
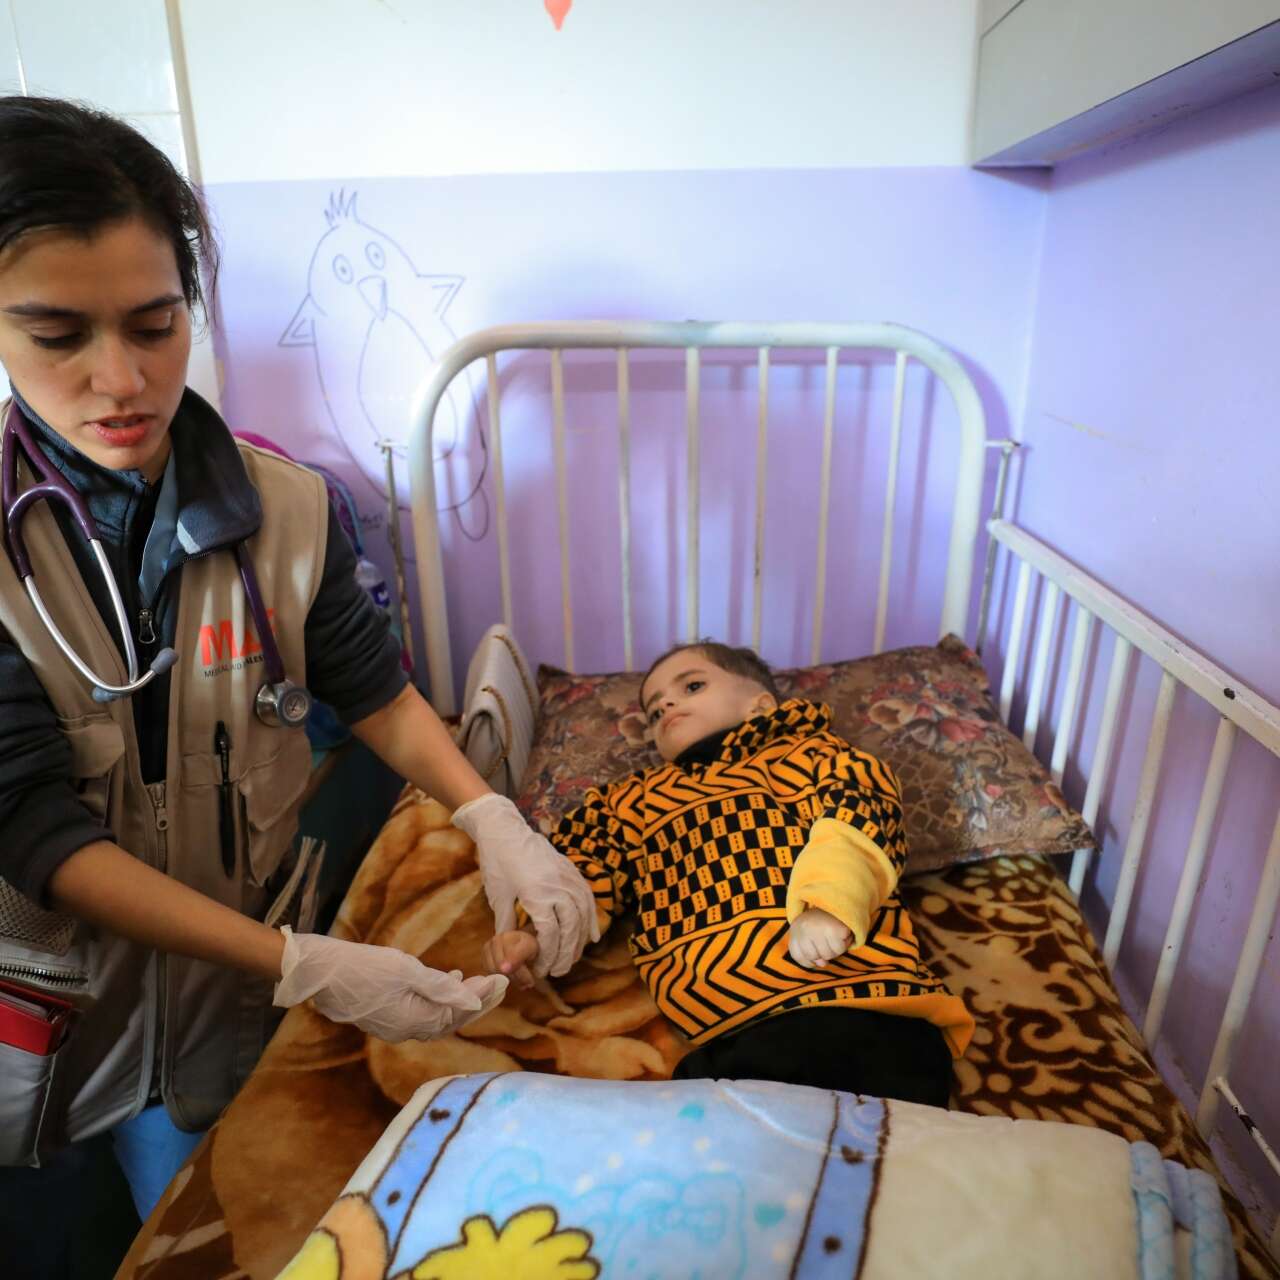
[(1052, 1043)]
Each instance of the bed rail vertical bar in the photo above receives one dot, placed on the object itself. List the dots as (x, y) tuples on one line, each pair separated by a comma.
[(624, 498), (1197, 849), (1014, 655), (425, 517), (1120, 656), (824, 507), (1070, 694), (1136, 843), (1006, 448), (1221, 1085), (692, 367), (499, 489), (562, 498), (762, 433), (890, 499), (1040, 665), (1245, 981), (397, 549)]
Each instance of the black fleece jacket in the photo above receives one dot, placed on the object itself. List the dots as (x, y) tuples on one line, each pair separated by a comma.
[(204, 503)]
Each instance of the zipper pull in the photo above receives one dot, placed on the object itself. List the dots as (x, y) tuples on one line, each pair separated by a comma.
[(226, 819), (146, 631), (162, 814)]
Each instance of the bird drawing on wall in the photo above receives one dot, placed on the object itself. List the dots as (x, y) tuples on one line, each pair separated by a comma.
[(377, 327)]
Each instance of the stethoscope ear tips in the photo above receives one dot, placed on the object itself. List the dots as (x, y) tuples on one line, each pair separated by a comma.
[(163, 661), (159, 665)]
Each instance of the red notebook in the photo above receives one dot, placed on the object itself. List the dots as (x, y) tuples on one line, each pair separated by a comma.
[(32, 1020)]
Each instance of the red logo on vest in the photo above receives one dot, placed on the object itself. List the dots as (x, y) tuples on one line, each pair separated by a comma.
[(220, 644)]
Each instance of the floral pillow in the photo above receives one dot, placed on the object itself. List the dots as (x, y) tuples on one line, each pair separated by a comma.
[(970, 789)]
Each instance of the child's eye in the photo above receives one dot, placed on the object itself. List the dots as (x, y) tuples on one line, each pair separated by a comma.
[(655, 715), (694, 685)]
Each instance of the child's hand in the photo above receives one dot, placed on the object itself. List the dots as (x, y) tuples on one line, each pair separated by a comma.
[(817, 937), (510, 953)]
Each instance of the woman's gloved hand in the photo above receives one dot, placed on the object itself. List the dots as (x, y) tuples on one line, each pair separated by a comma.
[(388, 993), (817, 937), (516, 862)]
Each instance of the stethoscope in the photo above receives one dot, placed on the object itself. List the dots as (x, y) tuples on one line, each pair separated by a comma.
[(279, 701)]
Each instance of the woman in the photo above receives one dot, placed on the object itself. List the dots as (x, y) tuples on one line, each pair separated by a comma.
[(141, 834)]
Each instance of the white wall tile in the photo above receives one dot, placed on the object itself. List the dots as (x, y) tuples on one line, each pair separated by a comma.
[(10, 65), (165, 130), (113, 54), (203, 374), (10, 82), (298, 89)]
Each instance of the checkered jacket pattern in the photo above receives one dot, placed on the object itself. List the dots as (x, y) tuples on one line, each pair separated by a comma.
[(700, 855)]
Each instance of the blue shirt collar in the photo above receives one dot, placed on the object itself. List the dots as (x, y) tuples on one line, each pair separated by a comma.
[(204, 501)]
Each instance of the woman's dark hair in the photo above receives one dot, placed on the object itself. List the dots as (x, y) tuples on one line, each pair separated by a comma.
[(737, 661), (64, 166)]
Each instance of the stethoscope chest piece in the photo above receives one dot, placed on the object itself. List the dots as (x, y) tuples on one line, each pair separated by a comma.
[(283, 705)]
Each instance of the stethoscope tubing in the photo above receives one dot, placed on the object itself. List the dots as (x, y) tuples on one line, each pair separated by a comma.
[(279, 701), (33, 593)]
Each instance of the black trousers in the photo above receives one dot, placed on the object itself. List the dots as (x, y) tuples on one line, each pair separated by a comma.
[(854, 1050), (73, 1219)]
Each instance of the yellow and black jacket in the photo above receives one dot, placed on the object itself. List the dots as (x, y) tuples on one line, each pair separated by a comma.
[(715, 856)]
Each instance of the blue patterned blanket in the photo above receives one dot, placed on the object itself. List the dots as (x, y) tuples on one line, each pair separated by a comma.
[(522, 1176)]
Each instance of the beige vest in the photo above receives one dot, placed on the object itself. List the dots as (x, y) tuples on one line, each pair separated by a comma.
[(200, 1026)]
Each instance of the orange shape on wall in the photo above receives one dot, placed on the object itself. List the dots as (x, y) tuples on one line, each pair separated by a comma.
[(558, 9)]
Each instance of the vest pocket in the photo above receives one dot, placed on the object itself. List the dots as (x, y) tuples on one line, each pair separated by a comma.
[(28, 923), (269, 794), (26, 1083), (296, 886), (97, 746)]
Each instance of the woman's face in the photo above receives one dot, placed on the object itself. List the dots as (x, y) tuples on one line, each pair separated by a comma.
[(95, 334)]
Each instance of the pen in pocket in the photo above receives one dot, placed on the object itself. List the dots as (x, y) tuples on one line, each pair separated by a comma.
[(226, 818)]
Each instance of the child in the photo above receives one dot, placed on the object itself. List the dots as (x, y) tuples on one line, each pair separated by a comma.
[(761, 861)]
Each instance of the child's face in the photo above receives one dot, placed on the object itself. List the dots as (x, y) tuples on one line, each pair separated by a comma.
[(686, 698)]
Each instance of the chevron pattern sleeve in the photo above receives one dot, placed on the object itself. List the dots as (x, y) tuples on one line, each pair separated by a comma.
[(857, 847), (599, 843)]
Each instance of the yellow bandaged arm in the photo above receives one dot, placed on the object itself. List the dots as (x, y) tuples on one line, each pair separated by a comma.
[(843, 872)]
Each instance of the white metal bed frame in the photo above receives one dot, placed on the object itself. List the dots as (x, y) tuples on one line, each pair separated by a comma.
[(692, 338), (1239, 708)]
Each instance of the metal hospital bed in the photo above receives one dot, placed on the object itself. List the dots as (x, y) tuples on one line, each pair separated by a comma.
[(1047, 589)]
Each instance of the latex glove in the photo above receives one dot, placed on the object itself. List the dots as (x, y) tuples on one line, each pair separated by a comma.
[(388, 993), (817, 937), (516, 862)]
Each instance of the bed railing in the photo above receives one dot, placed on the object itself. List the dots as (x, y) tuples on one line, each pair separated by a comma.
[(693, 338), (1239, 709)]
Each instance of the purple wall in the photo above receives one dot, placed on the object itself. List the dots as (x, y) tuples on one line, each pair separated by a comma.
[(1153, 456), (330, 316), (1144, 304)]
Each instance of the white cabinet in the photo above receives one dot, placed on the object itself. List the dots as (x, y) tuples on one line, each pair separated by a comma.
[(1056, 77), (992, 11)]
